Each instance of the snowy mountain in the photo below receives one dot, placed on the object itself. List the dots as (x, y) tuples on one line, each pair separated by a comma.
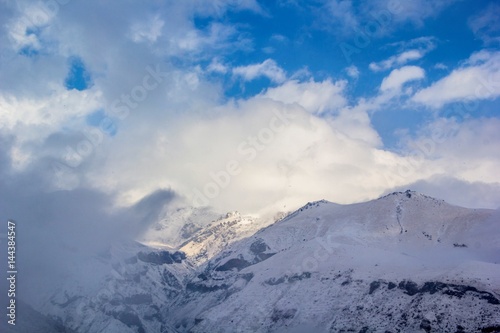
[(402, 263)]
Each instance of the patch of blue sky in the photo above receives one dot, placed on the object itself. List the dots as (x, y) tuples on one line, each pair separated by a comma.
[(78, 76), (29, 51), (299, 37), (101, 120)]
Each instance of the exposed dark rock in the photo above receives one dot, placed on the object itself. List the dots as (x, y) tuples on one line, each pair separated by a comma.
[(428, 236), (491, 329), (138, 299), (202, 288), (259, 247), (273, 281), (282, 315), (161, 257), (247, 276), (263, 256), (130, 319), (171, 280), (237, 263), (188, 230), (297, 277), (391, 285), (374, 286), (178, 257), (459, 291), (410, 287), (432, 287), (288, 279), (425, 325)]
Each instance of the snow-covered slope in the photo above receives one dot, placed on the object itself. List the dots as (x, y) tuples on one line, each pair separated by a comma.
[(220, 234), (402, 263)]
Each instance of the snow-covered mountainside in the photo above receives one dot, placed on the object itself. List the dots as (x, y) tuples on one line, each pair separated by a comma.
[(220, 234), (402, 263)]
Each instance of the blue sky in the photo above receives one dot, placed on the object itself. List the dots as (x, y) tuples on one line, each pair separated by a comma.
[(282, 101)]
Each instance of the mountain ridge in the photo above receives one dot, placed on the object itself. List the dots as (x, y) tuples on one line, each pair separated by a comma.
[(404, 262)]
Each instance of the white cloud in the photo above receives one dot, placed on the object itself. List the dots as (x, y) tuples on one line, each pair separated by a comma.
[(486, 24), (26, 29), (352, 71), (396, 60), (217, 67), (220, 7), (464, 152), (182, 132), (416, 11), (376, 17), (279, 38), (478, 78), (147, 31), (415, 49), (440, 66), (281, 162), (398, 77), (315, 97), (268, 68), (342, 13)]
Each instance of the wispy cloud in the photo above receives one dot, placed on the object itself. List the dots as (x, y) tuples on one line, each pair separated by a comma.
[(486, 24), (268, 68), (148, 30), (478, 78), (414, 49), (415, 12), (352, 71), (397, 60), (398, 77)]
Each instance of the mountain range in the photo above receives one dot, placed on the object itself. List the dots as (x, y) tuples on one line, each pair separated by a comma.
[(405, 262)]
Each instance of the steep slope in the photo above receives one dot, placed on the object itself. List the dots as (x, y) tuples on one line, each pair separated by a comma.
[(200, 232), (220, 234), (402, 263)]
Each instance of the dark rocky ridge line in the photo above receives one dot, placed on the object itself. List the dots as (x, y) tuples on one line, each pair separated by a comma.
[(411, 288)]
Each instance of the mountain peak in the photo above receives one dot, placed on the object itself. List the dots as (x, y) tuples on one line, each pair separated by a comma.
[(409, 194)]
